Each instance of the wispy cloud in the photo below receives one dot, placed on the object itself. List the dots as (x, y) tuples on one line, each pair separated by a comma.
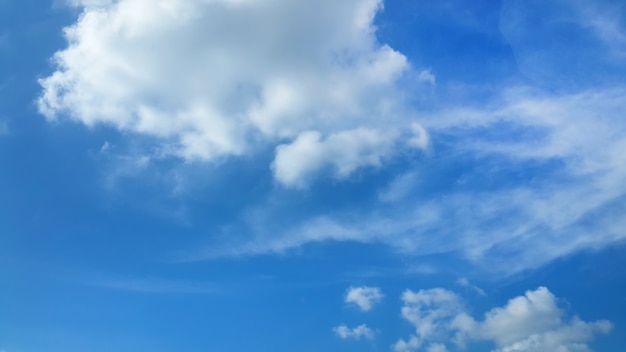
[(4, 128), (154, 285), (548, 152), (530, 174)]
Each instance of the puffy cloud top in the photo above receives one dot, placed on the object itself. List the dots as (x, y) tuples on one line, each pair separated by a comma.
[(217, 78), (364, 297), (529, 323)]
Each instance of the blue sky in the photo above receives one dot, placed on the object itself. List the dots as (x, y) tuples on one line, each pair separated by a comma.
[(363, 175)]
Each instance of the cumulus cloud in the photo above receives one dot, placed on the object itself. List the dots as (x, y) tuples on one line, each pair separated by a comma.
[(430, 310), (357, 333), (530, 323), (364, 297), (411, 344), (344, 152), (215, 79), (533, 322)]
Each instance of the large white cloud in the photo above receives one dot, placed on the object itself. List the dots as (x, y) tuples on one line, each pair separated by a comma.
[(217, 78), (530, 323)]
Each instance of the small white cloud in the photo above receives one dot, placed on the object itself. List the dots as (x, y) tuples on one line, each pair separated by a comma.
[(427, 76), (466, 283), (105, 147), (364, 297), (410, 345), (420, 138), (437, 347), (343, 153), (430, 310), (357, 333)]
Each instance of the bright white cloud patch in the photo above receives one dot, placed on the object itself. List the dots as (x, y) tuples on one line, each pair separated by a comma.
[(212, 79), (343, 152), (357, 333), (529, 323), (364, 297)]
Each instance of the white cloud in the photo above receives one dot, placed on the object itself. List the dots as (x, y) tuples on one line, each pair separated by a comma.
[(437, 347), (529, 323), (344, 152), (219, 78), (412, 344), (518, 225), (311, 79), (427, 76), (430, 310), (361, 331), (398, 188), (466, 283), (364, 297)]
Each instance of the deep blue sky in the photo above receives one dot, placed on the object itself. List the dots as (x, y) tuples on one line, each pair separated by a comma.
[(277, 175)]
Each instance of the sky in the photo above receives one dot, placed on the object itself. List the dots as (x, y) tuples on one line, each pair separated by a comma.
[(279, 175)]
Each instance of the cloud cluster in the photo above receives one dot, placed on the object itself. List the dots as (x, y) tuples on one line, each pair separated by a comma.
[(546, 169), (529, 323), (364, 297), (220, 78), (212, 79)]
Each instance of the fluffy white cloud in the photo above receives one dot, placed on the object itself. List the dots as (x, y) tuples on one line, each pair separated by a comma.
[(430, 310), (361, 331), (529, 323), (212, 79), (412, 344), (532, 322), (344, 152), (364, 297)]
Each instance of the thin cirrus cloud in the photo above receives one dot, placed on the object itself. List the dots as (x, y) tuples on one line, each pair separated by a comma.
[(308, 77), (532, 322)]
